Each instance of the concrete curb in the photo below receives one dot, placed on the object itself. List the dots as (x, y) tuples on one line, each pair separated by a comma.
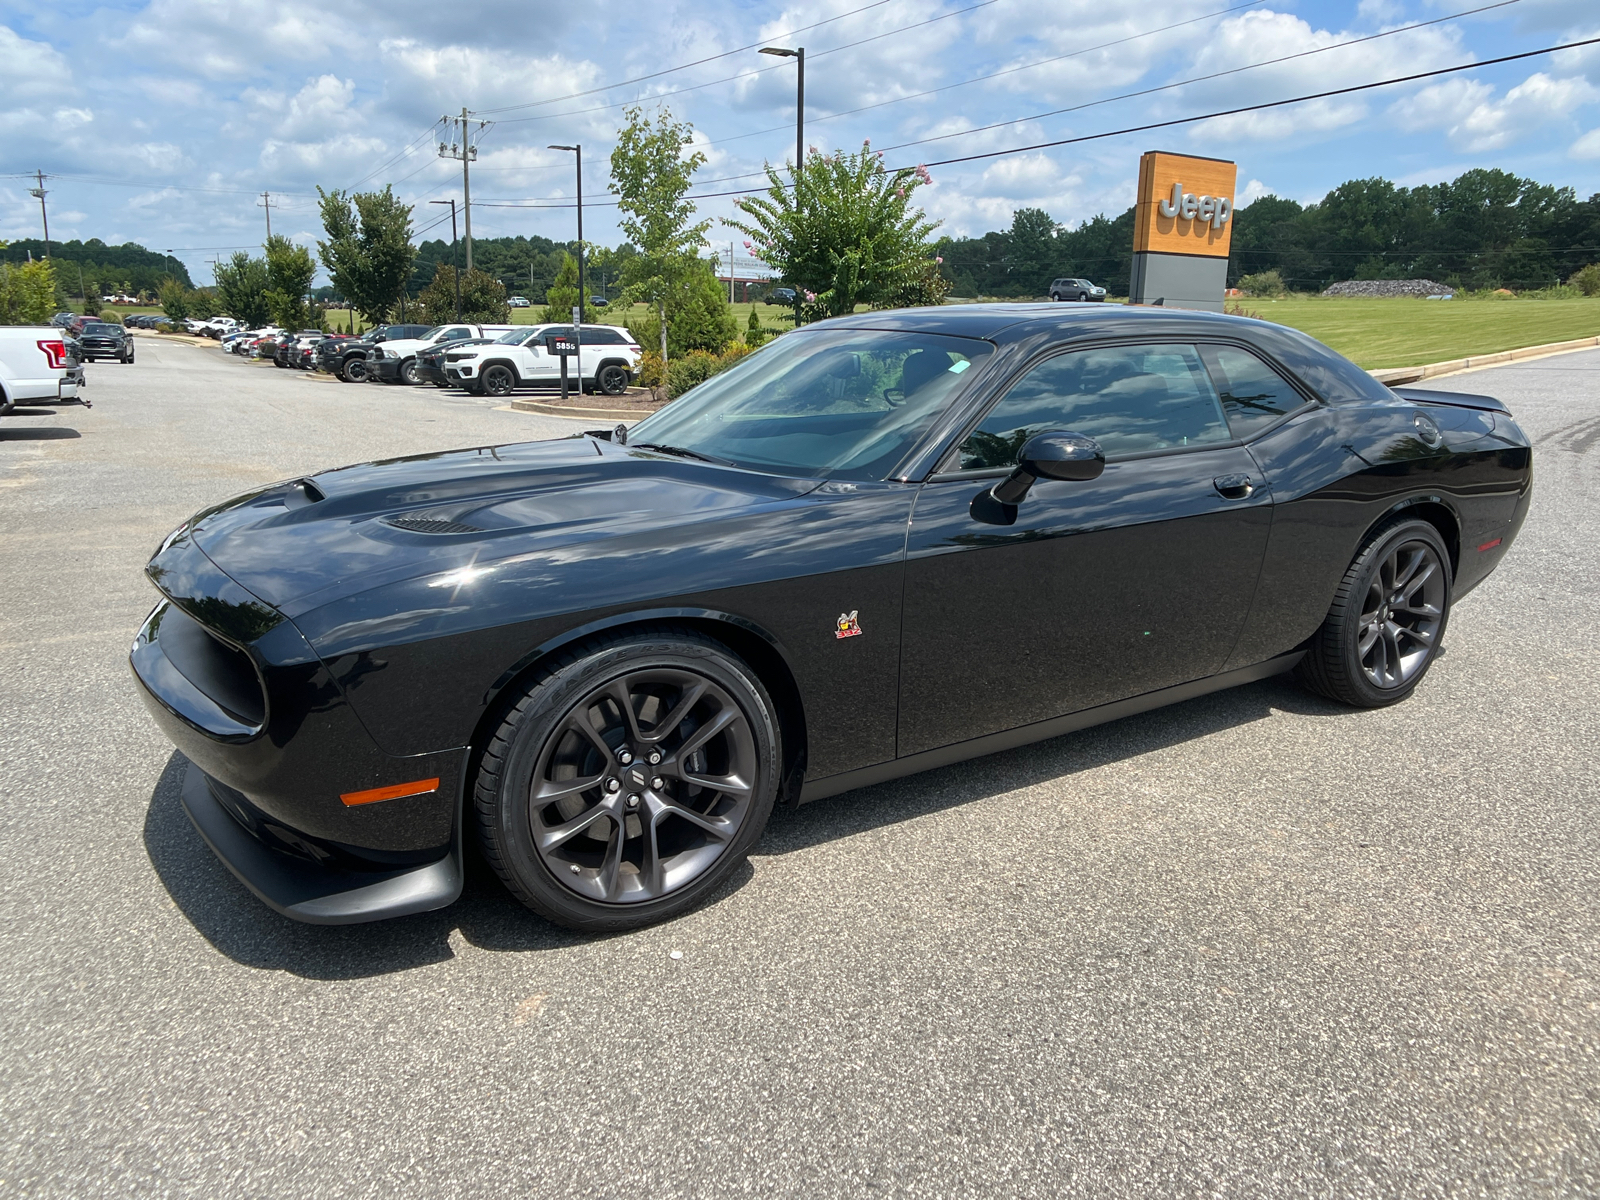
[(1394, 375), (580, 414)]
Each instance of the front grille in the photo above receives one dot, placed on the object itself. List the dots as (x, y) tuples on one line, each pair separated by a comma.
[(430, 525)]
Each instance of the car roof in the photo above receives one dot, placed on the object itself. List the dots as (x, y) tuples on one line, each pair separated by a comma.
[(1011, 322)]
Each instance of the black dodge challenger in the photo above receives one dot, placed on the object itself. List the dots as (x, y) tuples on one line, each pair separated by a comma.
[(881, 544)]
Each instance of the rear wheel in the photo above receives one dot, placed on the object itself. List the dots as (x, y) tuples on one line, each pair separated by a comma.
[(613, 379), (630, 781), (1387, 621), (408, 372), (498, 380)]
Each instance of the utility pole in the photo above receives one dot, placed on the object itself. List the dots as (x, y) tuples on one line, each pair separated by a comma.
[(730, 271), (38, 193), (467, 153), (266, 203)]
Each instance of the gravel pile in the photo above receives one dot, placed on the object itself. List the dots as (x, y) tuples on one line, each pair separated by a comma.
[(1389, 287)]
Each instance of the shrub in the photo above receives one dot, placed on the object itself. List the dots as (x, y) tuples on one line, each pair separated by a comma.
[(1264, 283), (688, 370), (1587, 280), (754, 334), (650, 370)]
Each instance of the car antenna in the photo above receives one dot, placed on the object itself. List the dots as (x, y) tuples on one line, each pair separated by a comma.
[(619, 435)]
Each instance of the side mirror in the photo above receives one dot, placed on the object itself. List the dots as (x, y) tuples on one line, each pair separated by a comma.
[(1058, 454)]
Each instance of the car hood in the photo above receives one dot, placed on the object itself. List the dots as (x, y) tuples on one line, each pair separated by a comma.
[(307, 542), (403, 346)]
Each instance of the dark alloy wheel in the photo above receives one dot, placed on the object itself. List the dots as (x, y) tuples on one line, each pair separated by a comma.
[(613, 379), (498, 380), (630, 782), (354, 370), (409, 372), (1387, 621)]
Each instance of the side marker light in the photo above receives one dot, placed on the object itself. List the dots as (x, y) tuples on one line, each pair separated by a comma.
[(1490, 545), (392, 792)]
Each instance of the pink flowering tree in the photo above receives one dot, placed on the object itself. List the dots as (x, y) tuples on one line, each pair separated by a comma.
[(844, 231)]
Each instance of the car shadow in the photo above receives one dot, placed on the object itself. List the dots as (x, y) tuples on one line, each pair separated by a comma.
[(489, 918), (929, 792), (35, 433)]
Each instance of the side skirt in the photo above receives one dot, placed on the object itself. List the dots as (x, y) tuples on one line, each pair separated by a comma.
[(1010, 739)]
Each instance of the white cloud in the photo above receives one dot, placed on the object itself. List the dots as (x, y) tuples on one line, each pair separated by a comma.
[(1251, 192), (1475, 122), (1588, 146)]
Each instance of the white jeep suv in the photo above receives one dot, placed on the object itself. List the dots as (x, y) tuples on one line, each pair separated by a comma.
[(609, 359)]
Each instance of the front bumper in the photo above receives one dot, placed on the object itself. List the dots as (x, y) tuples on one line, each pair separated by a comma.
[(383, 370), (298, 886), (431, 374)]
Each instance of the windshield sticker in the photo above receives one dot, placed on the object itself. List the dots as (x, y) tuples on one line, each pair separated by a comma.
[(848, 626), (957, 368)]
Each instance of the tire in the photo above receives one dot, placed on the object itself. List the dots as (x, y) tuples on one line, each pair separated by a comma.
[(613, 379), (440, 383), (1387, 621), (498, 380), (354, 370), (642, 844), (1083, 297), (408, 373)]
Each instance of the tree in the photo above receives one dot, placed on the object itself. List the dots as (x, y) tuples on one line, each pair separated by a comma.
[(483, 297), (27, 292), (845, 233), (649, 175), (242, 289), (1032, 260), (175, 300), (701, 318), (290, 270), (562, 296), (368, 253)]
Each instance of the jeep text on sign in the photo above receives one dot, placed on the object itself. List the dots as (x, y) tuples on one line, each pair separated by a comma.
[(1185, 205)]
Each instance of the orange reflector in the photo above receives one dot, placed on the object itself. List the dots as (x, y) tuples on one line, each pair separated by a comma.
[(1490, 545), (392, 792)]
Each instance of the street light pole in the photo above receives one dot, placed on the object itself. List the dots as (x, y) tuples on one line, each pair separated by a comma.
[(455, 259), (799, 55)]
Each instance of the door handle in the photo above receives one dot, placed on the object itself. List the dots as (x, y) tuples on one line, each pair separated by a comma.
[(1234, 487)]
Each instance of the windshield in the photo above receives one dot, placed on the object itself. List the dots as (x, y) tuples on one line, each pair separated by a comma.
[(846, 404), (516, 337), (102, 329)]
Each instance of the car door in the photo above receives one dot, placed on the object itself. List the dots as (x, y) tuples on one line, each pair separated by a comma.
[(1101, 590)]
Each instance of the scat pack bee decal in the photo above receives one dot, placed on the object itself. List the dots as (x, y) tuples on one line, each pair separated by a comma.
[(847, 625)]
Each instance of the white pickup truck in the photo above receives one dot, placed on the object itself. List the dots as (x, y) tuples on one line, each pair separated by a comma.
[(396, 362), (35, 367), (608, 353)]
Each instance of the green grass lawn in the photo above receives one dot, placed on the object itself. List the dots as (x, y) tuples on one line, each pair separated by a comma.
[(1408, 333)]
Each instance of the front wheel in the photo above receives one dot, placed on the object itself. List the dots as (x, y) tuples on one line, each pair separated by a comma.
[(613, 379), (499, 381), (1387, 621), (630, 781), (354, 370), (409, 372)]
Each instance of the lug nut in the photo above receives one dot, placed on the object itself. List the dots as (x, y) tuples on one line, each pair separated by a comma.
[(657, 783), (576, 869), (655, 757), (613, 786), (624, 757), (633, 799)]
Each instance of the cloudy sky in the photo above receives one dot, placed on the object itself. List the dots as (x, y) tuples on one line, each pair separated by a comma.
[(162, 120)]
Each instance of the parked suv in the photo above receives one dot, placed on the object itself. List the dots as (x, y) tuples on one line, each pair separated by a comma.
[(609, 359), (396, 360), (1075, 289), (348, 360)]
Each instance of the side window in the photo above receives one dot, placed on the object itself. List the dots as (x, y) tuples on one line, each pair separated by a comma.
[(450, 335), (1131, 399), (1253, 394)]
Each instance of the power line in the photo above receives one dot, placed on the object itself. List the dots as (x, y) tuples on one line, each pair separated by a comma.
[(1041, 62), (1091, 137), (1056, 112), (684, 66), (1229, 112)]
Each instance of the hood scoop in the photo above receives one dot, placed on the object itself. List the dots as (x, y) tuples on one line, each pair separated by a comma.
[(422, 523)]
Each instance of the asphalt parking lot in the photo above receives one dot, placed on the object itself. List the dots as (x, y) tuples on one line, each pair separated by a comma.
[(1253, 945)]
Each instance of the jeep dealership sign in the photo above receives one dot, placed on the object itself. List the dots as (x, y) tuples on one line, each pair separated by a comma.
[(1182, 230)]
